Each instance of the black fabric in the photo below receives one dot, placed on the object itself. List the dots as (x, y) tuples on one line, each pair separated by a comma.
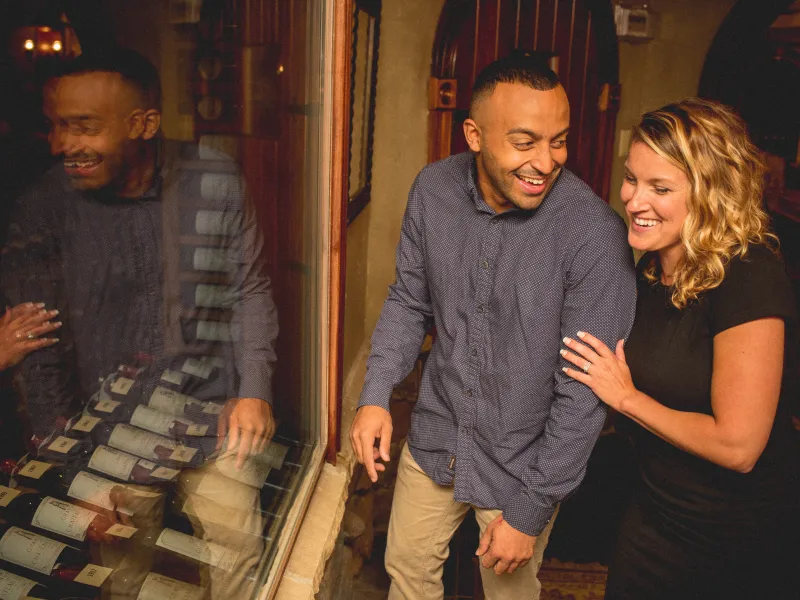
[(694, 528)]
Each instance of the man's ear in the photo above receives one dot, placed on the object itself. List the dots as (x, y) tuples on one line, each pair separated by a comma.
[(144, 123), (472, 133), (152, 123)]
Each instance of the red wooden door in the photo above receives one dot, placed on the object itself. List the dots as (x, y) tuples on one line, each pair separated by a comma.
[(579, 33)]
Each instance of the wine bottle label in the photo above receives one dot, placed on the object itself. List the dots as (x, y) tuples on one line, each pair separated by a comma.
[(62, 444), (138, 442), (113, 462), (95, 490), (197, 367), (169, 401), (34, 469), (13, 586), (212, 408), (202, 551), (183, 454), (93, 575), (63, 518), (152, 420), (171, 376), (253, 473), (210, 259), (122, 386), (161, 587), (86, 424), (123, 531), (30, 550), (6, 496), (198, 430), (164, 473), (106, 405), (146, 464)]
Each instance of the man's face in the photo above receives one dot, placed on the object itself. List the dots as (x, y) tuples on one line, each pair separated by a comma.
[(91, 127), (519, 135)]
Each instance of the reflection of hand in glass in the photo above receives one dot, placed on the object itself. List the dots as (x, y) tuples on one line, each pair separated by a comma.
[(20, 328), (250, 425)]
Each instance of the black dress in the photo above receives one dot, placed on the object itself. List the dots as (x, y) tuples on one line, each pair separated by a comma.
[(696, 530)]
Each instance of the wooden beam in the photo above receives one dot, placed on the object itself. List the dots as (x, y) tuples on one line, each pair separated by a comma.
[(342, 34)]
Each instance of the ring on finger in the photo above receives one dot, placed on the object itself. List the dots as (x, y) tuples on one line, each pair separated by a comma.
[(18, 335), (586, 367), (31, 335)]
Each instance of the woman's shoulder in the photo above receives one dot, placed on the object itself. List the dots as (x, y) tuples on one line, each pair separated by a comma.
[(759, 265), (756, 286)]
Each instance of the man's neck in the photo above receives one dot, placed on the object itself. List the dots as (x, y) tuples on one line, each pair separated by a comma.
[(139, 179)]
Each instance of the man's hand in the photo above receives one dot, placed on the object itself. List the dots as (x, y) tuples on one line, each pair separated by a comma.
[(371, 422), (504, 548), (249, 423)]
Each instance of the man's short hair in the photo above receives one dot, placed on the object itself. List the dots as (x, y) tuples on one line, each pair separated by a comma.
[(518, 67), (135, 70)]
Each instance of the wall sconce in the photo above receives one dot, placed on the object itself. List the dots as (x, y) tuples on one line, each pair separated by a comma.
[(635, 23)]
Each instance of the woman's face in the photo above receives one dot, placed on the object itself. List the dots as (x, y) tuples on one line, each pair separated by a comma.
[(655, 193)]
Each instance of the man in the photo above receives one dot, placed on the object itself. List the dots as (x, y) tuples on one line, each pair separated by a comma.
[(105, 237), (506, 252)]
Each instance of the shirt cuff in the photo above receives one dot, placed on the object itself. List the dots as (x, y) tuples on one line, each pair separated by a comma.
[(527, 516), (256, 383), (376, 393)]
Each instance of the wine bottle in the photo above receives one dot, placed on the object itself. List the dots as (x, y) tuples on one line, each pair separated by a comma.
[(37, 552), (161, 587), (30, 509), (48, 478), (135, 367), (129, 468), (96, 490), (171, 402), (196, 550), (113, 400), (16, 587), (63, 448), (147, 445)]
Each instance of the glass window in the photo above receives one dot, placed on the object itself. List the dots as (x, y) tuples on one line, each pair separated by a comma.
[(166, 171)]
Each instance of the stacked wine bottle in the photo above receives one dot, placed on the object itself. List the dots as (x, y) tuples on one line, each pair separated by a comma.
[(109, 469)]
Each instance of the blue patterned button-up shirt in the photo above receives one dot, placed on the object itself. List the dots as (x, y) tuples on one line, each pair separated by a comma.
[(496, 417)]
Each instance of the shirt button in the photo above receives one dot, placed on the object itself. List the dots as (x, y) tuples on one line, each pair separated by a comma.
[(480, 308), (474, 352), (484, 264), (469, 393)]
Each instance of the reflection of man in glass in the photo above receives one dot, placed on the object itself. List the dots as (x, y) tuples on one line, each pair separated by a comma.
[(149, 248)]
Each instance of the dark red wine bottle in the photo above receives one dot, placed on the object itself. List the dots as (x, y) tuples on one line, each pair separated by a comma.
[(147, 445), (52, 516), (16, 587)]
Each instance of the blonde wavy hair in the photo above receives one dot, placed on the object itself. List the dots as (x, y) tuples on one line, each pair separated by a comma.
[(709, 143)]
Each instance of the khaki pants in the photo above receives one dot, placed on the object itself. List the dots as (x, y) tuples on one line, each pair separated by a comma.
[(225, 512), (424, 518)]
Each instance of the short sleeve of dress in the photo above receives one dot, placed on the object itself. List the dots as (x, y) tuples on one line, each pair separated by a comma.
[(755, 287)]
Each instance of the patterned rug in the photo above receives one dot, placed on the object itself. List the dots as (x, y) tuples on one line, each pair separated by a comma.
[(572, 581)]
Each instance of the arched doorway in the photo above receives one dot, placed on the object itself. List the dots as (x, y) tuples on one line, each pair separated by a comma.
[(580, 34)]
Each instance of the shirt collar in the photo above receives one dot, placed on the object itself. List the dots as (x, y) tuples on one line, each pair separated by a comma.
[(477, 196)]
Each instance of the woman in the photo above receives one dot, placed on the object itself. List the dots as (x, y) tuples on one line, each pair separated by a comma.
[(705, 373)]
